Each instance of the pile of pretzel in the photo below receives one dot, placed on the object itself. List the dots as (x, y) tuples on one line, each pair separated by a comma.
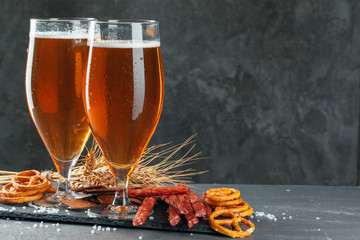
[(228, 203), (24, 187)]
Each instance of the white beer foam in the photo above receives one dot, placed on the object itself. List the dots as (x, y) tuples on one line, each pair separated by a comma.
[(125, 44), (60, 35)]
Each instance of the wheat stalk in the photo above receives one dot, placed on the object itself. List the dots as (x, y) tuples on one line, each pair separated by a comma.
[(93, 169)]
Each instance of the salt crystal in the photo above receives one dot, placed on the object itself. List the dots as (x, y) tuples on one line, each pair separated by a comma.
[(191, 234), (93, 231), (107, 229), (4, 209), (283, 213), (140, 237), (13, 208), (151, 218), (284, 218), (103, 229), (290, 217), (46, 226), (22, 233), (318, 229), (260, 214), (58, 229), (288, 190), (99, 228), (317, 218), (66, 210), (114, 229), (41, 224), (7, 218), (35, 225), (94, 227), (53, 224), (17, 222), (23, 207), (57, 224)]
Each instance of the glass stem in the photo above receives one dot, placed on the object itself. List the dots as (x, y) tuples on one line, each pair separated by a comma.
[(122, 181), (64, 169)]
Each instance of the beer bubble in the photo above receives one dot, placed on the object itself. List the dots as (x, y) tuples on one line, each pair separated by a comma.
[(141, 58)]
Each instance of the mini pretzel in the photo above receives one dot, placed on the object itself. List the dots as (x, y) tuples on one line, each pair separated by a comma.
[(216, 224), (224, 203), (10, 191), (29, 180), (243, 206), (12, 200), (222, 194)]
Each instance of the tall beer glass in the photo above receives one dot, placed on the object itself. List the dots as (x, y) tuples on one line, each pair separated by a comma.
[(124, 93), (56, 65)]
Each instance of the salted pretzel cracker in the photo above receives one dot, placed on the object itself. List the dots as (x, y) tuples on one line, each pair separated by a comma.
[(216, 224), (222, 194)]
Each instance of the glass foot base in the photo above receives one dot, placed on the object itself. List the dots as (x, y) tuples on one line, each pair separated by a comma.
[(113, 212), (54, 200)]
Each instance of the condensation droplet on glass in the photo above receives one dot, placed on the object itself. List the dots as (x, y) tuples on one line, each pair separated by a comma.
[(141, 58)]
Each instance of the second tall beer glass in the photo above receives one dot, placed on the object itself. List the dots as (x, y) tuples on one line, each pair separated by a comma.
[(124, 93), (56, 65)]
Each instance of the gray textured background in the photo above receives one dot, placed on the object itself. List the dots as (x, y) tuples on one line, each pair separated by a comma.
[(271, 87)]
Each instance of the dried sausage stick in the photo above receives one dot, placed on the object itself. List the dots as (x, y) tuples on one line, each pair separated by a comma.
[(144, 211)]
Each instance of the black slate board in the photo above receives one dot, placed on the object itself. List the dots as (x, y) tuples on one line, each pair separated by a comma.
[(158, 220)]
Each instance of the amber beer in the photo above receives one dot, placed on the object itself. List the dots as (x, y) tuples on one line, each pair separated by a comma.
[(124, 98), (55, 69)]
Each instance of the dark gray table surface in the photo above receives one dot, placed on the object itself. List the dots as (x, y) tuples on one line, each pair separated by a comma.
[(301, 212)]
